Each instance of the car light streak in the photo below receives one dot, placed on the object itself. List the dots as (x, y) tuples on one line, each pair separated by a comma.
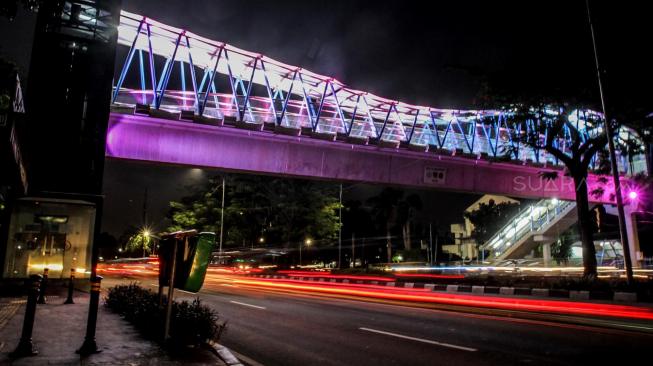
[(216, 275), (415, 295), (426, 275)]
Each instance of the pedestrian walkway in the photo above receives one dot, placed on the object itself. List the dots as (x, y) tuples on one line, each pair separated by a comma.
[(59, 330), (8, 307)]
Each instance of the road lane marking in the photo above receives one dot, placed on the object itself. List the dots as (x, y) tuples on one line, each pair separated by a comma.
[(468, 349), (250, 305)]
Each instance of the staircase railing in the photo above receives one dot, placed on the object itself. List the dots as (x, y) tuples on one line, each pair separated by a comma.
[(525, 223)]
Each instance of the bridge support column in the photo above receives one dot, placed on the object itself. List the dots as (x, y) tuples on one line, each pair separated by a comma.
[(546, 254), (631, 232), (633, 236)]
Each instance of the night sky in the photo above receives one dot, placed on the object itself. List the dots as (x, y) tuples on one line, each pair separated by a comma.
[(440, 54)]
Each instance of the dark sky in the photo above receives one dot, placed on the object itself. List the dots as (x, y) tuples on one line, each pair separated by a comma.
[(421, 52), (436, 53)]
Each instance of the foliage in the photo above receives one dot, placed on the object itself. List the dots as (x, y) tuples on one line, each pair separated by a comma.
[(275, 209), (551, 122), (489, 218), (140, 241), (391, 210), (561, 248), (191, 322)]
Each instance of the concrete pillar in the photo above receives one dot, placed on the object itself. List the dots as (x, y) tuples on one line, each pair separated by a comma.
[(546, 254), (631, 231), (633, 235)]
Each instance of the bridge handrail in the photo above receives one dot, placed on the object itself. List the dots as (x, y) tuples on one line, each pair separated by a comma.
[(548, 209)]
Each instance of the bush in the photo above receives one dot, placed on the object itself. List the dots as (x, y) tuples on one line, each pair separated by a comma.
[(191, 323)]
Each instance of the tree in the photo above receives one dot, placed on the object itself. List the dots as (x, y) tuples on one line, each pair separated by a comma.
[(406, 210), (141, 241), (384, 212), (561, 248), (551, 123), (200, 210), (489, 218), (390, 209), (278, 210)]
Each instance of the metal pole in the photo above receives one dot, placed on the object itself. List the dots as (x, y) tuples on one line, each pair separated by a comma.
[(90, 346), (44, 287), (353, 250), (25, 346), (340, 229), (221, 219), (71, 287), (171, 292), (613, 159), (435, 250), (431, 243), (300, 254)]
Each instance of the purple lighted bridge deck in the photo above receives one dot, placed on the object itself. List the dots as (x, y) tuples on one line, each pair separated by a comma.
[(150, 139)]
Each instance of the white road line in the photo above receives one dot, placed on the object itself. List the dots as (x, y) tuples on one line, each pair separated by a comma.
[(250, 305), (468, 349), (176, 289)]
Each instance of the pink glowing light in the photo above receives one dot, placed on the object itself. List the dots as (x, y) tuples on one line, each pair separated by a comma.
[(632, 195)]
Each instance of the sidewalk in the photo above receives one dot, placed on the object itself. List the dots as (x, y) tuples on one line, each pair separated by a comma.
[(59, 330)]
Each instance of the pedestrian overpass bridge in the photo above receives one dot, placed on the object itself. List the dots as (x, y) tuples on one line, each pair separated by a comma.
[(184, 99)]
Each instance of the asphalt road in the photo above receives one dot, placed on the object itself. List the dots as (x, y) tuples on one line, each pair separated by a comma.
[(279, 328)]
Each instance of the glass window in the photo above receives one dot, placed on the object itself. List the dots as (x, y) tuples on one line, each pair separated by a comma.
[(50, 233)]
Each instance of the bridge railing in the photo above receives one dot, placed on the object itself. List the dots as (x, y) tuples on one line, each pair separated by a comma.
[(173, 69), (526, 222)]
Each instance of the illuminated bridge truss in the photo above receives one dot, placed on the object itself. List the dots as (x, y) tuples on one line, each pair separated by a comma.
[(175, 70)]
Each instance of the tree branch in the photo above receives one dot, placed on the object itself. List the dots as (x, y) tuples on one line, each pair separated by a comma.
[(559, 155), (598, 144)]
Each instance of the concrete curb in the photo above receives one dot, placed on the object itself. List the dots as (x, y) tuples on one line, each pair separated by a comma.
[(224, 354), (630, 297)]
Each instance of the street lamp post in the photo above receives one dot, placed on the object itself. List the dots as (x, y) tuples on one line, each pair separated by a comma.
[(146, 240), (340, 228), (221, 220), (613, 160), (307, 242)]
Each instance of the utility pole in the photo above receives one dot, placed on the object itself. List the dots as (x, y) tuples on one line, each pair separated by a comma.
[(340, 229), (613, 160), (224, 183), (353, 250), (144, 219), (431, 243), (145, 234)]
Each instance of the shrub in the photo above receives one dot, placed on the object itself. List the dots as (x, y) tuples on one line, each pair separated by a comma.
[(191, 323)]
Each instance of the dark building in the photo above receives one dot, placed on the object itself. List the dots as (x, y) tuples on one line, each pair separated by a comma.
[(53, 223), (69, 94)]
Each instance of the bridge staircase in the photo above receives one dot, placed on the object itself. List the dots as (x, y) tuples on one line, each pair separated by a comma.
[(541, 222)]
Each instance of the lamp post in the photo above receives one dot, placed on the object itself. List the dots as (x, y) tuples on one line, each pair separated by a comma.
[(307, 242), (146, 240), (340, 228), (613, 159), (224, 184)]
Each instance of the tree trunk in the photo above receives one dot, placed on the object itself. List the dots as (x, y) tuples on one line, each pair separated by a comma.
[(648, 157), (585, 227), (406, 236)]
